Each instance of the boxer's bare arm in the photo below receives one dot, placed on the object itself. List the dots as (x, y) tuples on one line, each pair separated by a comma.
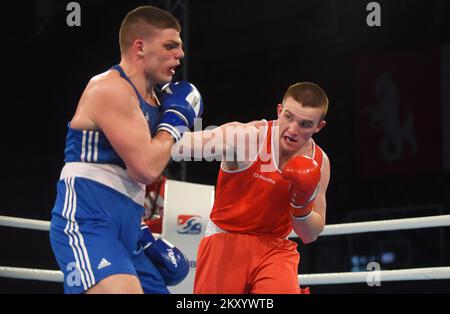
[(111, 105), (232, 142), (309, 229)]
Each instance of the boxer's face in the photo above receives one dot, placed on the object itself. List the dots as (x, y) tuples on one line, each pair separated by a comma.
[(161, 55), (297, 124)]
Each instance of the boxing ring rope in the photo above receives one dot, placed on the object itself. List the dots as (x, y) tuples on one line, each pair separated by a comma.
[(24, 223), (430, 273), (337, 229), (31, 274), (384, 225)]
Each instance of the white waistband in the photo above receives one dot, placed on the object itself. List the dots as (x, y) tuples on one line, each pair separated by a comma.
[(212, 229), (110, 175)]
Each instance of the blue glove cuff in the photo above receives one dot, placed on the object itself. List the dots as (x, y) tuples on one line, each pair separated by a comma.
[(173, 122), (147, 238)]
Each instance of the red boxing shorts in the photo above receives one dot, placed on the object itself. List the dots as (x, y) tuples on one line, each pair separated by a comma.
[(230, 263)]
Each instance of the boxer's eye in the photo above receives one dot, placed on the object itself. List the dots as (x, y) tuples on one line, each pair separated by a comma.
[(306, 124), (171, 45)]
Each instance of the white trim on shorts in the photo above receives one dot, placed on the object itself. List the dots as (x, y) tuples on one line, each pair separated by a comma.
[(112, 176), (212, 229), (76, 240)]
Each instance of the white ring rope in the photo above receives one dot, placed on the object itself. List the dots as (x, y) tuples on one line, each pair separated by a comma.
[(31, 274), (337, 229), (377, 275), (309, 279), (430, 273), (24, 223), (33, 224), (384, 225)]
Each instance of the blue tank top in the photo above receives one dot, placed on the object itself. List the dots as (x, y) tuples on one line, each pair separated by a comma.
[(93, 146)]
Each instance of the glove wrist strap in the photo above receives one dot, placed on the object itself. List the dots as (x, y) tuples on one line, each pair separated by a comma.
[(302, 218), (174, 123), (301, 212)]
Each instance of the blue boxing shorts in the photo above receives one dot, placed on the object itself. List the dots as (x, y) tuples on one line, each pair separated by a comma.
[(94, 234)]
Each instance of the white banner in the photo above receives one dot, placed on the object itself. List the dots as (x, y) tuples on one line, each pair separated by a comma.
[(186, 212)]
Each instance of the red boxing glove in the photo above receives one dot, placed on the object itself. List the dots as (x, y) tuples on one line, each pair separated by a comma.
[(304, 174)]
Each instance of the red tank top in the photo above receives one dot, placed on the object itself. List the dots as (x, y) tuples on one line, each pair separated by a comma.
[(255, 201)]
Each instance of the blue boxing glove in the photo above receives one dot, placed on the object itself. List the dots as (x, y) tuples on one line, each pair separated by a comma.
[(172, 264), (181, 103)]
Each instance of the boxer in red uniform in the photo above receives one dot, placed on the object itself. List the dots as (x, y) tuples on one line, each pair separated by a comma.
[(154, 204), (278, 185)]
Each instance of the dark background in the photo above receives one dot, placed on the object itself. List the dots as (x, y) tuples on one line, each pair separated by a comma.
[(242, 55)]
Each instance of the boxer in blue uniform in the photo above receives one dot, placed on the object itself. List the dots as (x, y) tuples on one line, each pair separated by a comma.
[(119, 140)]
